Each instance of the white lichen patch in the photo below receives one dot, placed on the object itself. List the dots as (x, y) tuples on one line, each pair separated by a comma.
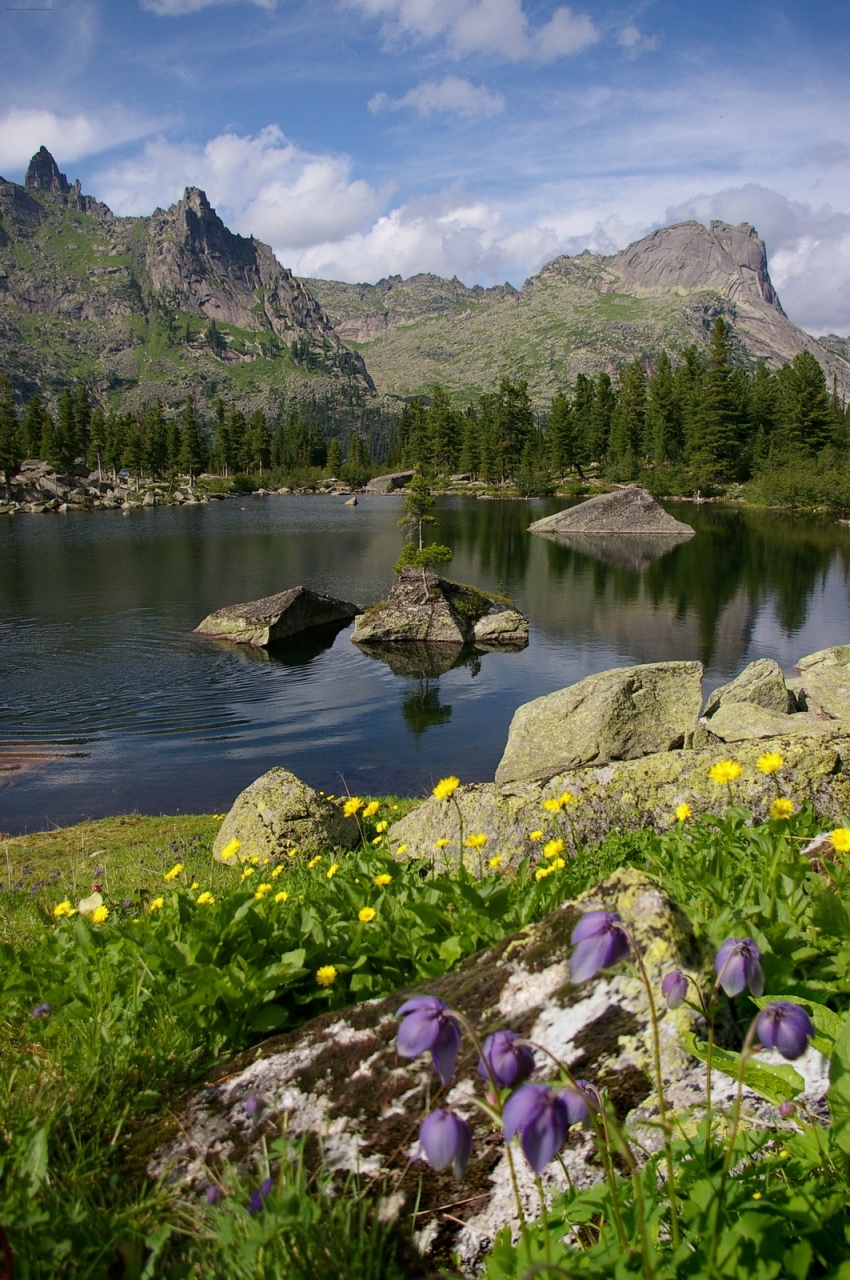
[(557, 1026), (524, 990)]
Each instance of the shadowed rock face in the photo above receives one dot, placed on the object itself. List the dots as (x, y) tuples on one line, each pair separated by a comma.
[(273, 618), (624, 511), (43, 174), (339, 1077)]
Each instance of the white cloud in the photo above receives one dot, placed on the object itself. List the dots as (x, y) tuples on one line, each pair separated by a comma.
[(69, 138), (634, 42), (176, 8), (262, 185), (449, 95), (499, 27)]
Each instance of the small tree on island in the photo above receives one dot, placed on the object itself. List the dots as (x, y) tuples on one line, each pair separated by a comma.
[(415, 554)]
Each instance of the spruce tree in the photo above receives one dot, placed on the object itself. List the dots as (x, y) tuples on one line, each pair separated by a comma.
[(10, 443), (514, 421), (583, 416), (82, 421), (65, 434), (47, 443), (31, 427), (562, 435), (259, 441), (470, 450), (763, 412), (334, 462), (445, 431), (718, 439), (663, 416), (602, 414), (97, 441), (418, 505), (192, 446), (805, 410), (157, 439), (628, 423)]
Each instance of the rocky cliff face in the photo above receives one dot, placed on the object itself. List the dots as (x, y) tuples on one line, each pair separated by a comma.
[(163, 305), (577, 315)]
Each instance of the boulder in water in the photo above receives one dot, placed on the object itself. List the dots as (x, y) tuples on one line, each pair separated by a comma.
[(262, 622), (631, 510)]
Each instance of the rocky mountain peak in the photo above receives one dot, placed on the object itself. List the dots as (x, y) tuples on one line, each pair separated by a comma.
[(43, 174)]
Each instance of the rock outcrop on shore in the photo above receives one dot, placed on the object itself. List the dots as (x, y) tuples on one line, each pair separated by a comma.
[(426, 608), (628, 511), (274, 618), (277, 815)]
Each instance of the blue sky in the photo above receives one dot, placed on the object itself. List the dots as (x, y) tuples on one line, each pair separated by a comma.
[(481, 138)]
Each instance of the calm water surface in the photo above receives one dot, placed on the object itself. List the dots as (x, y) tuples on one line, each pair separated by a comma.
[(98, 662)]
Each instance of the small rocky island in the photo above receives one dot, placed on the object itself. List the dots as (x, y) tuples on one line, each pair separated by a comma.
[(424, 607), (273, 618), (628, 511)]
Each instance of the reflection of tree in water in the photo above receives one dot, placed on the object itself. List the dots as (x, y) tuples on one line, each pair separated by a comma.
[(494, 531), (421, 709)]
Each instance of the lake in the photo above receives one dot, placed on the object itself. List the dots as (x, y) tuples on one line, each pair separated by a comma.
[(111, 704)]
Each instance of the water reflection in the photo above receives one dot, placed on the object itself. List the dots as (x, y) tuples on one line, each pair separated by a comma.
[(295, 651), (422, 709), (632, 552)]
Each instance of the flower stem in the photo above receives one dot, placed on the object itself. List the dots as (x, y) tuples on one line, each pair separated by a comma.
[(746, 1050)]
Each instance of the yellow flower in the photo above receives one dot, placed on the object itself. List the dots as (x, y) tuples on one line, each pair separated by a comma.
[(351, 806), (262, 890), (99, 914), (402, 848), (377, 840), (383, 880), (770, 762), (174, 872), (314, 862), (194, 885), (366, 914), (542, 872), (558, 864), (552, 848), (371, 808), (441, 843), (249, 871), (255, 860), (156, 904), (231, 849), (683, 812), (290, 853), (219, 817), (282, 896), (535, 835), (446, 787), (277, 871), (381, 826), (495, 861), (205, 899), (332, 870), (326, 975), (725, 771), (476, 842), (63, 909), (781, 808), (840, 839), (568, 798), (553, 806), (330, 797)]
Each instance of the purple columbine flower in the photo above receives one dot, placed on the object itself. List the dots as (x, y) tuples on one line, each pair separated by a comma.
[(787, 1110), (214, 1193), (738, 965), (446, 1139), (580, 1099), (42, 1010), (429, 1024), (784, 1026), (509, 1059), (600, 942), (254, 1107), (255, 1203), (541, 1118), (674, 988)]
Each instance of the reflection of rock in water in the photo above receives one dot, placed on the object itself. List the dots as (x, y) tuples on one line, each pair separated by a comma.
[(632, 552), (423, 709), (297, 651), (415, 659)]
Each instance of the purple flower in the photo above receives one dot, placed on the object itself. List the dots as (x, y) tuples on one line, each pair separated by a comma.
[(254, 1106), (214, 1193), (446, 1139), (600, 941), (255, 1202), (42, 1010), (784, 1026), (787, 1110), (126, 903), (541, 1118), (674, 988), (580, 1100), (738, 965), (429, 1024), (505, 1059)]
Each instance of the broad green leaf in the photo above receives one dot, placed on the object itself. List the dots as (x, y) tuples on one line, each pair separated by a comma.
[(776, 1084), (839, 1087), (34, 1163)]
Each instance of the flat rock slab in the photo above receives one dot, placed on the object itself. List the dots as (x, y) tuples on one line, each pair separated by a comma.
[(339, 1077), (825, 682), (615, 715), (736, 722), (387, 484), (263, 622), (625, 511), (277, 814)]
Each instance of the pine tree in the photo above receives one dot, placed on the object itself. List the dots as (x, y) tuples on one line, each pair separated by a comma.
[(65, 434), (805, 410), (31, 428), (157, 439), (628, 423), (334, 463), (562, 435), (192, 446), (717, 446), (97, 442), (259, 441), (663, 416), (82, 420), (10, 442), (418, 505), (470, 449), (583, 416), (514, 421), (445, 431), (47, 443)]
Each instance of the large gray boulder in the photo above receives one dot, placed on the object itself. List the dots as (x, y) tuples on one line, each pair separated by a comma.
[(627, 795), (278, 813), (738, 721), (761, 683), (631, 510), (340, 1079), (388, 483), (425, 608), (825, 682), (615, 715), (263, 622)]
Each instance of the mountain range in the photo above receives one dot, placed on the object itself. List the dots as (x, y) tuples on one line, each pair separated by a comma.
[(172, 303)]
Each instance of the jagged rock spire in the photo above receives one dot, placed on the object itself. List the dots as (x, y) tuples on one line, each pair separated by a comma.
[(43, 173)]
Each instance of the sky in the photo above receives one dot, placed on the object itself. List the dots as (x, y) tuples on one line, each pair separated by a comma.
[(477, 138)]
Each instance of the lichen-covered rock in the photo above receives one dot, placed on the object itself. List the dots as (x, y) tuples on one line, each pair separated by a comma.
[(626, 796), (631, 510), (825, 680), (501, 626), (761, 683), (274, 618), (278, 813), (425, 608), (737, 721), (615, 715), (339, 1076)]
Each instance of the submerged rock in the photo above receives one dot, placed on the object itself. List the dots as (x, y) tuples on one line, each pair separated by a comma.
[(262, 622), (426, 608), (279, 813), (631, 510), (339, 1076), (615, 715)]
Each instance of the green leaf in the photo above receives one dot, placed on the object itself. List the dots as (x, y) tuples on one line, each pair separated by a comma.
[(776, 1084), (270, 1017), (839, 1087), (451, 950), (34, 1163), (826, 1022)]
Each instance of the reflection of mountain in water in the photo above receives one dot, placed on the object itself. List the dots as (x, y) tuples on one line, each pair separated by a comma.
[(633, 552)]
